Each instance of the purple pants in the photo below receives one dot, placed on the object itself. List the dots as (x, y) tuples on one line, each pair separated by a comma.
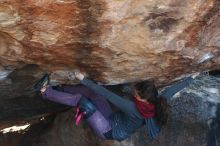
[(100, 121)]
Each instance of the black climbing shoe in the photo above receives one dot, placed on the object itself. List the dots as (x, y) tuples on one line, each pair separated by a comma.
[(44, 81)]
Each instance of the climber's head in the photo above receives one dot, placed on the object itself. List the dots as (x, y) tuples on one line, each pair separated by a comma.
[(147, 92)]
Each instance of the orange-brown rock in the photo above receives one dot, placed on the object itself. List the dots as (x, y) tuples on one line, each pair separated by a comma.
[(112, 41)]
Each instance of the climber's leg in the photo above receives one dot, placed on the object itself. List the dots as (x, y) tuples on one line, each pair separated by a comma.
[(100, 102), (61, 97), (95, 119)]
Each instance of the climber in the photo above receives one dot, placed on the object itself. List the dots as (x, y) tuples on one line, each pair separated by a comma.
[(147, 107)]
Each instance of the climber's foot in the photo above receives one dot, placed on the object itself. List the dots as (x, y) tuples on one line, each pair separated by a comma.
[(41, 85)]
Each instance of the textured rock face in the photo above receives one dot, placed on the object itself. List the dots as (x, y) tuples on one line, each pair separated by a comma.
[(111, 41)]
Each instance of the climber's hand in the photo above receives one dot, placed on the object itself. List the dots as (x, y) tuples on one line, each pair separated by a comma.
[(79, 76)]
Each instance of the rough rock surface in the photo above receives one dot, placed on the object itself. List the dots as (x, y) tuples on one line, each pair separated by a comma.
[(112, 41)]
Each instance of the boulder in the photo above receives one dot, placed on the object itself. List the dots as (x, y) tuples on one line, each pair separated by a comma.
[(112, 42), (109, 40)]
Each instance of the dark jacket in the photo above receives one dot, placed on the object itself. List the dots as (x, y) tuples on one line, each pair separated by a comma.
[(127, 120)]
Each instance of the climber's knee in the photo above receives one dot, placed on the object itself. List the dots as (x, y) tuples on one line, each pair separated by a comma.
[(87, 107)]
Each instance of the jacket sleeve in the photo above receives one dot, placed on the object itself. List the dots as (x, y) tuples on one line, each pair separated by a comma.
[(153, 129), (124, 105), (172, 90)]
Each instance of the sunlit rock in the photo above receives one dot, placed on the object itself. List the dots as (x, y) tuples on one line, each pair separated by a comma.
[(111, 41)]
